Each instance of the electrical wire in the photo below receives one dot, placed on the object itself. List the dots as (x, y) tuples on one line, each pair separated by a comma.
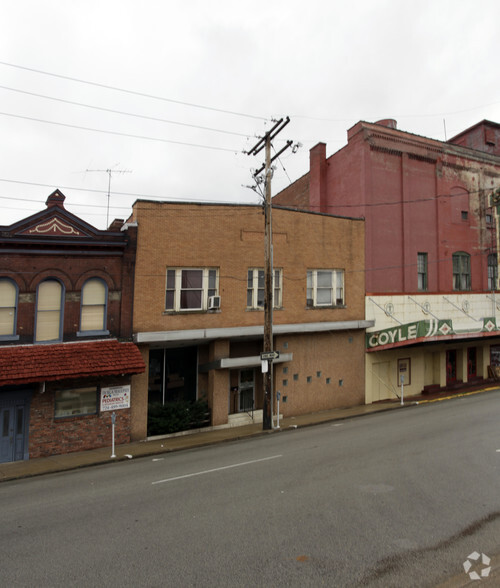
[(117, 133), (132, 92), (111, 110)]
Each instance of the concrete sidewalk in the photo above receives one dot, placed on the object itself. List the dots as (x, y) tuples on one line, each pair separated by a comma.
[(188, 440)]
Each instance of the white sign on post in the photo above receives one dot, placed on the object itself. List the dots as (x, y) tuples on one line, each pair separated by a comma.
[(115, 398)]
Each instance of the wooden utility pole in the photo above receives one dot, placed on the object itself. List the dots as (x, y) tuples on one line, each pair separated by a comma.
[(268, 353)]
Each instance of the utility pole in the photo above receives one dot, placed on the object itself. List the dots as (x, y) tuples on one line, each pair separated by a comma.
[(268, 354), (109, 172)]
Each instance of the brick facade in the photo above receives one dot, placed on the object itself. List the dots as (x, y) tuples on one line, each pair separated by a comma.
[(230, 238), (431, 248), (56, 245)]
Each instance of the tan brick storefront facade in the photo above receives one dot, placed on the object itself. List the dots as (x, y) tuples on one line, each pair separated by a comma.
[(198, 317)]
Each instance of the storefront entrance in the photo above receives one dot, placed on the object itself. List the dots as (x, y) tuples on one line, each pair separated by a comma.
[(246, 388), (451, 366)]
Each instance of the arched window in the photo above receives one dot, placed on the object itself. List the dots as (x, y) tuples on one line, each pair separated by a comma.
[(49, 311), (8, 308), (93, 311), (461, 271)]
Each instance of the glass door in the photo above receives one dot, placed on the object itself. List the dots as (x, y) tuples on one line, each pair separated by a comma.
[(246, 390)]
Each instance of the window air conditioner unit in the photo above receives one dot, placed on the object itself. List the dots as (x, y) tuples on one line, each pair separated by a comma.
[(213, 302)]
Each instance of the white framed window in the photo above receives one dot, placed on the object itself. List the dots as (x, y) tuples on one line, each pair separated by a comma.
[(49, 311), (256, 288), (325, 287), (93, 308), (75, 402), (190, 288), (422, 271), (461, 271), (8, 308)]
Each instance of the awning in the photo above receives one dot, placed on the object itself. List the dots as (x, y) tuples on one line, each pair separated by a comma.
[(26, 364)]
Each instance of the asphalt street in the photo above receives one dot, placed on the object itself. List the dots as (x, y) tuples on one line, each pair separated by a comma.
[(392, 499)]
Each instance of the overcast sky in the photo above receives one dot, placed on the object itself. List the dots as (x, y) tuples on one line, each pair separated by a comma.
[(169, 94)]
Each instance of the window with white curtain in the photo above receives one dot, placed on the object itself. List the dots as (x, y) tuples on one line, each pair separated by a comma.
[(190, 288), (325, 287)]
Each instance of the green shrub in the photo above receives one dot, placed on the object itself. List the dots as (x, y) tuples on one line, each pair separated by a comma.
[(177, 416)]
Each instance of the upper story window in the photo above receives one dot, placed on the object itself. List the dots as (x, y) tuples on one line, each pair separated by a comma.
[(256, 288), (190, 288), (492, 271), (422, 271), (461, 271), (93, 309), (8, 308), (49, 311), (325, 287)]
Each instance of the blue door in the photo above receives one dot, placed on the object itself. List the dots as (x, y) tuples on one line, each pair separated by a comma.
[(12, 432)]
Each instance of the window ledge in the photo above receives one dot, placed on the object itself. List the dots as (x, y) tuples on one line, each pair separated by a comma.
[(9, 337), (331, 306), (194, 311), (91, 333)]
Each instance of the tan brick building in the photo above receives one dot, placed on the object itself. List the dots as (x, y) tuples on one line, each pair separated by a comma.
[(198, 308)]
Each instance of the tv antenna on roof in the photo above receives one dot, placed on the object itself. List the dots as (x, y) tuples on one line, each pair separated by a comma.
[(110, 171)]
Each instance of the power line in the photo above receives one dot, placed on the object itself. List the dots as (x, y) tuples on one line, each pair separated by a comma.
[(111, 110), (195, 200), (117, 133), (133, 92)]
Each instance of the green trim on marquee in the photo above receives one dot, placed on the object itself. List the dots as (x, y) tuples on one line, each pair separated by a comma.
[(422, 330)]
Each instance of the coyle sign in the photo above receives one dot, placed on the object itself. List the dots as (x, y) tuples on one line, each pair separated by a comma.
[(422, 330)]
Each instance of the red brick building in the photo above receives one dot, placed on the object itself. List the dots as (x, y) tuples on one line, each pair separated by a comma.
[(431, 247), (65, 334)]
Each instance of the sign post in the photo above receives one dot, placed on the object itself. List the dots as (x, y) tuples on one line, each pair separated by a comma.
[(114, 398), (113, 421)]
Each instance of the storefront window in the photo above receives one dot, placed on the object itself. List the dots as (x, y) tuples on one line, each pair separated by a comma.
[(78, 402)]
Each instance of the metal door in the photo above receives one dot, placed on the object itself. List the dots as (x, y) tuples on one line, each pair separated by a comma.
[(12, 432)]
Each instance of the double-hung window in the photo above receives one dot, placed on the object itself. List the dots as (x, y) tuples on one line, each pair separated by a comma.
[(190, 288), (325, 287), (256, 288), (8, 308), (93, 310), (461, 271), (49, 311), (422, 271)]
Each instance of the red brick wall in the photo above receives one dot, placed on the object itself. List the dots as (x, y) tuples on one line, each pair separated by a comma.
[(50, 436), (408, 189)]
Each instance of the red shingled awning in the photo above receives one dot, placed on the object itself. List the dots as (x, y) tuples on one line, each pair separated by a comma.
[(25, 364)]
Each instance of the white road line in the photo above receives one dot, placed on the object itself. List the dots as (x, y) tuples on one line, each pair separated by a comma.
[(234, 465)]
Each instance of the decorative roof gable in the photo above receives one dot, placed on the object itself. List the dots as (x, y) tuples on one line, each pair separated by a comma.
[(53, 221), (54, 227)]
